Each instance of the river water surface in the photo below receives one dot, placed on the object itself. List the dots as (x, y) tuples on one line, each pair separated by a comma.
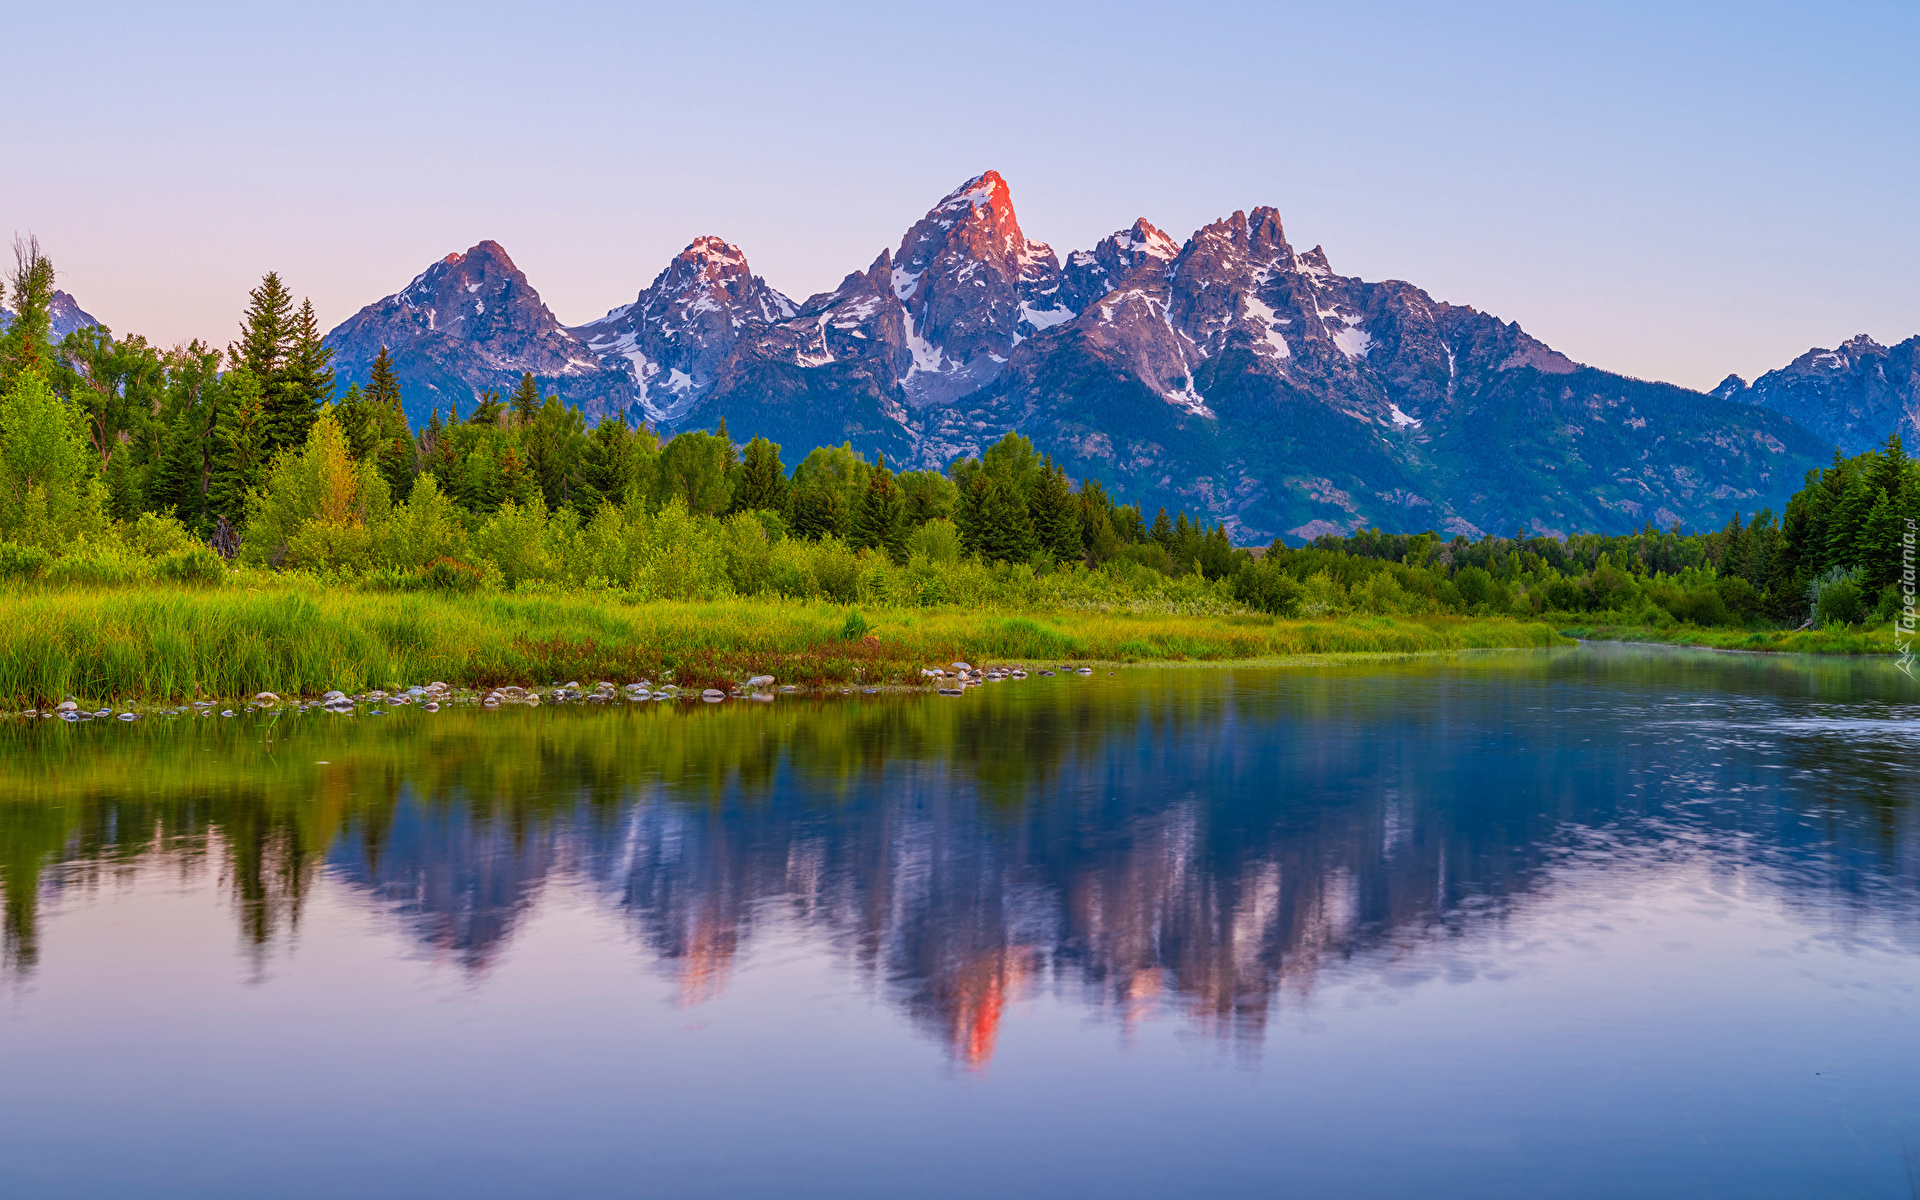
[(1602, 922)]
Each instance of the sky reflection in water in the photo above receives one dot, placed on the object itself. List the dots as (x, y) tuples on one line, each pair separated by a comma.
[(1591, 923)]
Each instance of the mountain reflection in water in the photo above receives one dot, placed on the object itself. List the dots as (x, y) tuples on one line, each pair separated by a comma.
[(1211, 843)]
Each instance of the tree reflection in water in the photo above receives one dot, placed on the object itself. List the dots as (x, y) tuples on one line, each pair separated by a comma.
[(1206, 841)]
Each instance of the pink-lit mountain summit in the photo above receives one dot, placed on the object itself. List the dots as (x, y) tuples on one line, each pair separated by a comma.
[(1228, 374)]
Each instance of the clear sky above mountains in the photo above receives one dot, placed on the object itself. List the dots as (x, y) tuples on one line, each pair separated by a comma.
[(1671, 191)]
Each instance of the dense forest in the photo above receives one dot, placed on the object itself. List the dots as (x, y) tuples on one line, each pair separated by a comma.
[(122, 461)]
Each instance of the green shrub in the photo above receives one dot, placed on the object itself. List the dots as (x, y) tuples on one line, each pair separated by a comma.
[(937, 541), (1836, 598), (156, 536), (1264, 586), (198, 565), (23, 562), (450, 575)]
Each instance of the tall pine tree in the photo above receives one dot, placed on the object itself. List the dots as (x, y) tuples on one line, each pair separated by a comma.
[(1056, 515), (761, 480), (239, 448), (525, 401), (304, 384), (606, 466), (881, 523)]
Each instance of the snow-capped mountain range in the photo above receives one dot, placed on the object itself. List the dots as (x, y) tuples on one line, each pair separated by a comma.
[(1228, 374)]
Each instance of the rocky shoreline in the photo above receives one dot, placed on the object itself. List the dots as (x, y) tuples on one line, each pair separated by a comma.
[(955, 679)]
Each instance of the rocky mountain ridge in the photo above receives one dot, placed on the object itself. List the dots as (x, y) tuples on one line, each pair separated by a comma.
[(65, 313), (1230, 374), (472, 323), (1853, 395)]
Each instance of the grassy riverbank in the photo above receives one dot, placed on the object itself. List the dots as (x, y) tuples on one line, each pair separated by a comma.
[(1845, 639), (172, 643)]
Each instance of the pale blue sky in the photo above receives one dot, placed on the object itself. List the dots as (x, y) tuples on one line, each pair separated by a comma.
[(1671, 190)]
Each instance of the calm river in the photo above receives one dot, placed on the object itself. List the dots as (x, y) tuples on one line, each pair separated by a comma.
[(1606, 922)]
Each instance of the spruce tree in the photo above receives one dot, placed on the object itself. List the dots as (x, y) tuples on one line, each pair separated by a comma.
[(383, 386), (1006, 529), (517, 482), (760, 482), (525, 401), (1056, 516), (606, 466), (969, 505), (359, 423), (819, 511), (176, 482), (1796, 561), (1162, 531), (1763, 537), (1733, 549), (266, 329), (1845, 519), (398, 463), (1888, 466), (239, 448), (488, 410), (305, 382), (1877, 547), (881, 523)]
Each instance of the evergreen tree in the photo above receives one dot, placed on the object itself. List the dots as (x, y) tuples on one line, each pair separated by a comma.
[(1056, 516), (1006, 530), (760, 482), (359, 423), (304, 384), (819, 511), (123, 488), (1162, 531), (517, 482), (882, 521), (969, 503), (1096, 512), (1845, 519), (1887, 469), (266, 330), (398, 463), (555, 440), (383, 386), (1824, 500), (239, 448), (525, 401), (606, 466), (1877, 548), (1733, 549), (488, 410), (1763, 538), (176, 485)]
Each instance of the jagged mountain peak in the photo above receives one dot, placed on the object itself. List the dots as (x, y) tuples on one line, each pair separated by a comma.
[(64, 315), (470, 323), (963, 289), (674, 339), (1853, 395)]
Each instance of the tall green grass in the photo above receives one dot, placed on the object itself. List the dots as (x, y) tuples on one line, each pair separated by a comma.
[(1842, 640), (167, 643)]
